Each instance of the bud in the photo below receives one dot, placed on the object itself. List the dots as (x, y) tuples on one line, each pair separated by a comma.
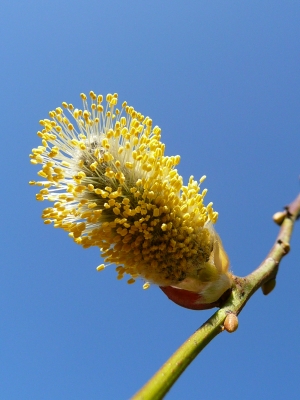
[(279, 217), (268, 286), (231, 323)]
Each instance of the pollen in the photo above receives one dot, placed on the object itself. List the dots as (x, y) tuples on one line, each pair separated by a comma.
[(112, 186)]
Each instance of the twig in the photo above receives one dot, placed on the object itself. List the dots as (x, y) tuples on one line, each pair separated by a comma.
[(264, 277)]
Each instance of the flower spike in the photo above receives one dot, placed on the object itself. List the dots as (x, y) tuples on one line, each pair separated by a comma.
[(111, 186)]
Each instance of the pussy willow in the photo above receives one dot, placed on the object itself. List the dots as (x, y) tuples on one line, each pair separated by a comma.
[(112, 187)]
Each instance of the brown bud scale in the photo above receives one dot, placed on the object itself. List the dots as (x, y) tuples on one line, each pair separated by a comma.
[(267, 287)]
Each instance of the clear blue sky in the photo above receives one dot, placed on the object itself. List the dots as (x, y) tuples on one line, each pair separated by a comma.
[(221, 78)]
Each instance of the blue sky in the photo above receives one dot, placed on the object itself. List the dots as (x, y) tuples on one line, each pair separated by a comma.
[(222, 81)]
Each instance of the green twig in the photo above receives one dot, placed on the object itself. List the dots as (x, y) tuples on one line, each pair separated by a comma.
[(264, 276)]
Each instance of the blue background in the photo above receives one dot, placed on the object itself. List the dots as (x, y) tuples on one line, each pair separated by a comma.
[(221, 78)]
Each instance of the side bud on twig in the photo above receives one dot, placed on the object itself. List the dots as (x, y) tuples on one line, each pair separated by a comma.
[(231, 323), (279, 216), (268, 287)]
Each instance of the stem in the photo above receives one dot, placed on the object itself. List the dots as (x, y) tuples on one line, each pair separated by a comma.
[(243, 289)]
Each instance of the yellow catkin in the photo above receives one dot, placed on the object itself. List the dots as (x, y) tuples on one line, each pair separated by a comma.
[(114, 188)]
